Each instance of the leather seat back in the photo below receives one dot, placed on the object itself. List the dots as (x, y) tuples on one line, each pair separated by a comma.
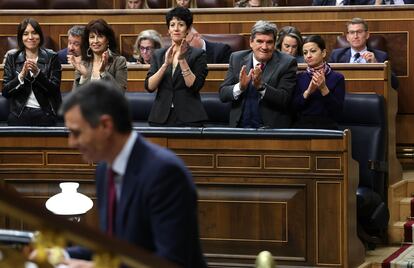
[(364, 115)]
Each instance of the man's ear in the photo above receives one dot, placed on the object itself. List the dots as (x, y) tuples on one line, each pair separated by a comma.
[(107, 123)]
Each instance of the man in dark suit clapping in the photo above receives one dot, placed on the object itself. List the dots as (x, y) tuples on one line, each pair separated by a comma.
[(260, 82)]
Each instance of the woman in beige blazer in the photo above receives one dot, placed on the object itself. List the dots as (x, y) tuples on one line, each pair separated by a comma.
[(99, 59)]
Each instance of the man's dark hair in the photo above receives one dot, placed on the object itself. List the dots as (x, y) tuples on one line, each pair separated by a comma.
[(181, 13), (22, 27), (97, 98)]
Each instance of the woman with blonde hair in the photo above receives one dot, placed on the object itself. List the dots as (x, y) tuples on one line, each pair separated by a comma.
[(290, 41), (136, 4), (147, 41)]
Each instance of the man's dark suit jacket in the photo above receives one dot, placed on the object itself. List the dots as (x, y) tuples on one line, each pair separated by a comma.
[(157, 209), (280, 79), (346, 2), (343, 55), (217, 52), (172, 88), (62, 55)]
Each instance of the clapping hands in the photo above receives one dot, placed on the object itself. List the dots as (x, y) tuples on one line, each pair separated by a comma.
[(254, 75)]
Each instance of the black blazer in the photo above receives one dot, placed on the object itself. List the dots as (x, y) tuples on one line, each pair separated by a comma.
[(217, 52), (46, 86), (63, 55), (280, 81), (172, 88)]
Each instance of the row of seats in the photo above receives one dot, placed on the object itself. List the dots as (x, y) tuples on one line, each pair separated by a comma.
[(235, 41), (363, 114), (92, 4), (48, 4)]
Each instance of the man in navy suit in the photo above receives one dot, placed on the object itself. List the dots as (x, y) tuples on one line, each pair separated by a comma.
[(357, 36), (146, 196), (216, 52), (74, 44), (260, 82)]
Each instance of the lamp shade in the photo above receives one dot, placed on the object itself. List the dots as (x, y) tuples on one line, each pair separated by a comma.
[(69, 201)]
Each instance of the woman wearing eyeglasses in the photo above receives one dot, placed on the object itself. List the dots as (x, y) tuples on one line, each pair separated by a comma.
[(99, 59), (177, 73), (147, 41)]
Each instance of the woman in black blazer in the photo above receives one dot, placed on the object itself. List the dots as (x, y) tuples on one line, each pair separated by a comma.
[(31, 79), (178, 74)]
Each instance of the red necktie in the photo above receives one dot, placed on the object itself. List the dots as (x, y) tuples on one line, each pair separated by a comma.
[(111, 201)]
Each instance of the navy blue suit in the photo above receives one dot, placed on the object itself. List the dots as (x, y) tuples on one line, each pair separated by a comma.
[(279, 77), (62, 56), (217, 52), (157, 209), (343, 55)]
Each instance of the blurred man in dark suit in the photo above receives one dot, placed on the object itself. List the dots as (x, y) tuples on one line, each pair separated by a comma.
[(146, 196)]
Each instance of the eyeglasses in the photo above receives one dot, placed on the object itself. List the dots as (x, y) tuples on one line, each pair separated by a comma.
[(145, 49), (359, 32)]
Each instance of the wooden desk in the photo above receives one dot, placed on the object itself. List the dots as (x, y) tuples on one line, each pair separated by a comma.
[(363, 78), (290, 193)]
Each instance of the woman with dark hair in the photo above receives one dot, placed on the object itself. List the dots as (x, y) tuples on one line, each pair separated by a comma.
[(320, 91), (31, 79), (99, 59), (178, 74), (289, 41), (147, 41)]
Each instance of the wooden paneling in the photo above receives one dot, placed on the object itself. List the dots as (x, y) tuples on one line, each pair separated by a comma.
[(329, 212), (294, 197)]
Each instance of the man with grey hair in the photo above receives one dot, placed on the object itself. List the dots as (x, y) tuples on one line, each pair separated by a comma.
[(74, 44), (260, 82)]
